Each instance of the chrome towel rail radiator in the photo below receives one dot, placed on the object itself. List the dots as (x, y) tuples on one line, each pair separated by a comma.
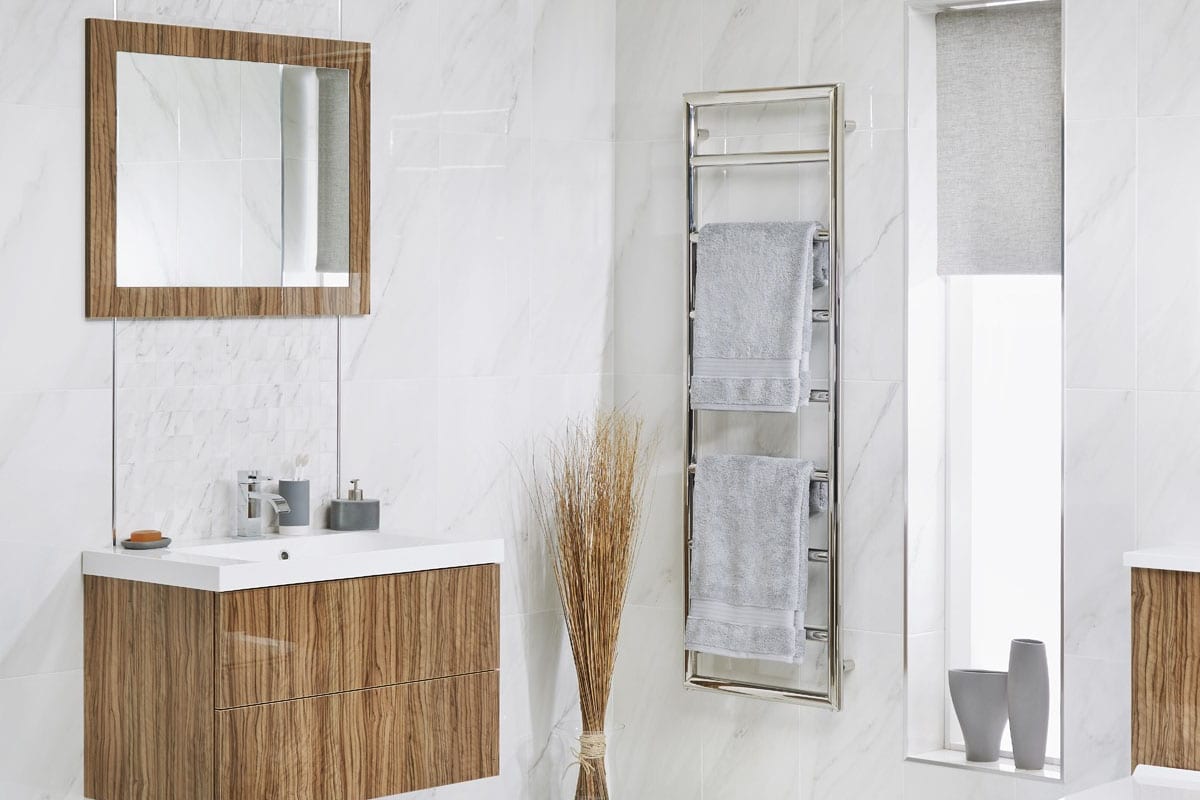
[(828, 695)]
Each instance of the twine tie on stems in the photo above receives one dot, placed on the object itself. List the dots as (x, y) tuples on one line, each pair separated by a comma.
[(592, 747)]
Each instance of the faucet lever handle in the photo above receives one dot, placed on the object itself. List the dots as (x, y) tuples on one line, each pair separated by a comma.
[(246, 477)]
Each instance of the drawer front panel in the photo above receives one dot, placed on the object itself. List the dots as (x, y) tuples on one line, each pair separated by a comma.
[(288, 642), (364, 744)]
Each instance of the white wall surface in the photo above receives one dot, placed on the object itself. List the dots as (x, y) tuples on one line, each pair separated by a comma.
[(498, 200)]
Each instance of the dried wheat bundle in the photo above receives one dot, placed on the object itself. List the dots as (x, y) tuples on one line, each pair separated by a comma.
[(589, 504)]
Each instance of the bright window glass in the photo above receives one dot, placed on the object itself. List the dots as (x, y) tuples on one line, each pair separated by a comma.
[(1004, 468)]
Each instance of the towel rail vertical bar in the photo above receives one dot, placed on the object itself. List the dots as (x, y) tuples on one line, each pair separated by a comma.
[(837, 128), (831, 697), (690, 425)]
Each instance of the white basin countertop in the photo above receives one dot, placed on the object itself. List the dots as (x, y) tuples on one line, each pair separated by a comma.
[(1147, 783), (1175, 558), (224, 565)]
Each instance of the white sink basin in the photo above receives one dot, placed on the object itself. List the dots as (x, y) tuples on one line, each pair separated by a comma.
[(222, 565), (282, 548)]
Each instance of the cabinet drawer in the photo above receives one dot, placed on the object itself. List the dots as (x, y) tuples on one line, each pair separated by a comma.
[(288, 642), (365, 744)]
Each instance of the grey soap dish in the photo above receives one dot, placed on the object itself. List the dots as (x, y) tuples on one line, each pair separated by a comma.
[(157, 544)]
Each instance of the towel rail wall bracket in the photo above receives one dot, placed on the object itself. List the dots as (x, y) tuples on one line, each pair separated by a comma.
[(827, 636)]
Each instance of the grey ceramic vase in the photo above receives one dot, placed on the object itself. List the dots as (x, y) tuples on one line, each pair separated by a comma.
[(980, 699), (1028, 702)]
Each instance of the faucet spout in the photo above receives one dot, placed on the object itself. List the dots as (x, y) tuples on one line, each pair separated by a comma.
[(252, 515), (277, 501)]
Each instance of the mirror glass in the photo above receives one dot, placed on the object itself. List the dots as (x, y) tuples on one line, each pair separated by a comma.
[(231, 173)]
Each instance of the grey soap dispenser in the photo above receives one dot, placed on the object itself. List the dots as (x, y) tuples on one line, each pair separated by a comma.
[(354, 513)]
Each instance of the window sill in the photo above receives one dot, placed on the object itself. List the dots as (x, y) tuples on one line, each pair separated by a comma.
[(1005, 766)]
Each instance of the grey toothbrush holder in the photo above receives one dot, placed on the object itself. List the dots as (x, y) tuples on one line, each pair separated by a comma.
[(296, 493)]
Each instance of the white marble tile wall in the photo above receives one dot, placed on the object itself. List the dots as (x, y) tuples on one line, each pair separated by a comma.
[(198, 400), (489, 251), (1131, 356), (55, 408)]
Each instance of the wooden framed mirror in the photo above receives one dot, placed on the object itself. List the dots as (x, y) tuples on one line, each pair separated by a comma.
[(228, 173)]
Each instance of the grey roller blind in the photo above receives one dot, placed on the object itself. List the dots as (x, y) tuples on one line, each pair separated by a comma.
[(999, 140)]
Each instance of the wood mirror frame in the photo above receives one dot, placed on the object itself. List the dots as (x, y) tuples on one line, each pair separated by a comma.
[(105, 38)]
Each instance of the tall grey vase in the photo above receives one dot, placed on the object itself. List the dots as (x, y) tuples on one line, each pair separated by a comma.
[(1028, 702), (980, 703)]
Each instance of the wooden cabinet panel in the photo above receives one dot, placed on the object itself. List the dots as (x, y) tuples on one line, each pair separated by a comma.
[(394, 678), (363, 744), (1166, 668), (287, 642), (148, 691)]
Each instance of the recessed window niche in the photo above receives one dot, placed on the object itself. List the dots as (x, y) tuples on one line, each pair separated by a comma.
[(983, 359)]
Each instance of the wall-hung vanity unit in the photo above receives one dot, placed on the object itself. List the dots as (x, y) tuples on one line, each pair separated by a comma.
[(343, 665)]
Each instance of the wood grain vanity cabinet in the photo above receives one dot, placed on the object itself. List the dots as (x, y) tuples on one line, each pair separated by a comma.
[(338, 690), (1166, 668)]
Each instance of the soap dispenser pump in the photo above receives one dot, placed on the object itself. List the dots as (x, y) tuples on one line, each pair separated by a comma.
[(355, 512)]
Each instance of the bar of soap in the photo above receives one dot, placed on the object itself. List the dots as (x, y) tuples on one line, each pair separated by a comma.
[(145, 536)]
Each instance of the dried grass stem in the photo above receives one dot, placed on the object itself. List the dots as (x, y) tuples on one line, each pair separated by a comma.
[(589, 504)]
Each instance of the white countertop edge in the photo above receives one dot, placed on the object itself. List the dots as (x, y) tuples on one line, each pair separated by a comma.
[(115, 562), (1166, 777), (1184, 780), (106, 564), (1173, 558)]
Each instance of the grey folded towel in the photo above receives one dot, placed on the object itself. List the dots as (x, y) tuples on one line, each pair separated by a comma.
[(753, 326), (748, 588)]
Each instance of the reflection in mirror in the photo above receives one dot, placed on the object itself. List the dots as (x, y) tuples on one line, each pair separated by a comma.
[(231, 173)]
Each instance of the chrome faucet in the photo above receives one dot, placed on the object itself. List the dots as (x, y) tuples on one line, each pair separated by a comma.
[(252, 501)]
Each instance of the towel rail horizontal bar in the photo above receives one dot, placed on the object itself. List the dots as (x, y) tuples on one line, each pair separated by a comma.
[(813, 633), (759, 691), (819, 475), (755, 159), (816, 555), (818, 395), (821, 236), (818, 315), (748, 96)]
